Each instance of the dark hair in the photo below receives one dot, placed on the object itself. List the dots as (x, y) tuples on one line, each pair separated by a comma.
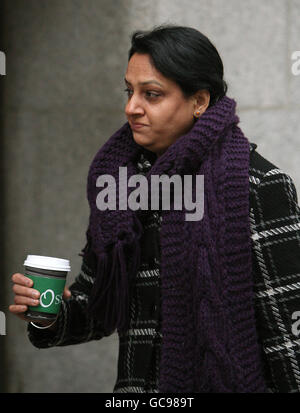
[(184, 55)]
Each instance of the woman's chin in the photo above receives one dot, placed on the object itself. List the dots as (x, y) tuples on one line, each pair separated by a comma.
[(142, 140)]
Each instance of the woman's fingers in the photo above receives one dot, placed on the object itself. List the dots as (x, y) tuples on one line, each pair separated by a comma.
[(20, 279), (22, 300), (17, 309), (67, 293), (24, 295), (28, 292)]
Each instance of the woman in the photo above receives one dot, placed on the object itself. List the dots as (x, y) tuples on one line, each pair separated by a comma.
[(199, 306)]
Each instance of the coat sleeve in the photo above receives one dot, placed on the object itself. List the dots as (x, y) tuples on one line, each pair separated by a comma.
[(74, 324), (275, 227)]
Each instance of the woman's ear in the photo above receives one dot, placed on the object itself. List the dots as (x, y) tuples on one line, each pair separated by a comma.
[(202, 99)]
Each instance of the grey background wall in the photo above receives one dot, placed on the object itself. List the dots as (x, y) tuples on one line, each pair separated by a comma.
[(63, 98)]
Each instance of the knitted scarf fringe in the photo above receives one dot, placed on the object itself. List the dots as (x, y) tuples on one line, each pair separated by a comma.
[(110, 296)]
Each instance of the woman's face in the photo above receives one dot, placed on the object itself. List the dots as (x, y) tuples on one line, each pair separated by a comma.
[(157, 110)]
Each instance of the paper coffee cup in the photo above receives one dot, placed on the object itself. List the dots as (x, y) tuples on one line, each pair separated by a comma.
[(49, 278)]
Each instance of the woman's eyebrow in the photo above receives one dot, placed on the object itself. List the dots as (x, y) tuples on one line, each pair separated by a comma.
[(148, 82)]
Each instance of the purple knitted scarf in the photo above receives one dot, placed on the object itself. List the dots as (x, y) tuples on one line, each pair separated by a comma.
[(208, 325)]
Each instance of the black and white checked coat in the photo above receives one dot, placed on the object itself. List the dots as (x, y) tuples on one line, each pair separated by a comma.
[(275, 228)]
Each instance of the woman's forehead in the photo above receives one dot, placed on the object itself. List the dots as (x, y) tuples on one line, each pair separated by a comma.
[(140, 70)]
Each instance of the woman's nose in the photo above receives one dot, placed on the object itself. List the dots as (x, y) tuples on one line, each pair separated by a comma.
[(133, 107)]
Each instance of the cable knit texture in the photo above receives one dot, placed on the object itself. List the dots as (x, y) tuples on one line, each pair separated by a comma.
[(208, 322)]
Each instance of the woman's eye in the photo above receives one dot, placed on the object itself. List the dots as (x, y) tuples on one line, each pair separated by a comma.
[(152, 94), (148, 94), (128, 91)]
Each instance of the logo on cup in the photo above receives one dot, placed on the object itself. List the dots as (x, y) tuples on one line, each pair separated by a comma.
[(44, 298), (49, 294)]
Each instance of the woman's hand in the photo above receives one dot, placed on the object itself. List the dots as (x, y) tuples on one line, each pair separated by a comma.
[(26, 296)]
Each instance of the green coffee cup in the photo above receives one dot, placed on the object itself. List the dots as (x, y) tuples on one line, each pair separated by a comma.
[(49, 278)]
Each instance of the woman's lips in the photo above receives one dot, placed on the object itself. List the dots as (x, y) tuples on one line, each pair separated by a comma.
[(137, 126)]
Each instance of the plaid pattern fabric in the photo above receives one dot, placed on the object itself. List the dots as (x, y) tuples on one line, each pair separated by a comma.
[(275, 228)]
